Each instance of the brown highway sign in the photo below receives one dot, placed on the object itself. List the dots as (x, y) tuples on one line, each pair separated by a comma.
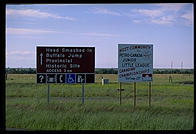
[(65, 64)]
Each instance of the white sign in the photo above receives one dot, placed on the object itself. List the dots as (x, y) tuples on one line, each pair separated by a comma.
[(135, 62)]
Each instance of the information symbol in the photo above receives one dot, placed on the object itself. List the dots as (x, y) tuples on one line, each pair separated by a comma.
[(80, 78), (51, 78), (41, 78), (60, 78), (70, 78)]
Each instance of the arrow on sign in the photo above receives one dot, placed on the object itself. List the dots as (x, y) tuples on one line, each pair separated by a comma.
[(41, 55)]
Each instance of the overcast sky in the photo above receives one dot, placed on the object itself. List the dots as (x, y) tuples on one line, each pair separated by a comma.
[(169, 27)]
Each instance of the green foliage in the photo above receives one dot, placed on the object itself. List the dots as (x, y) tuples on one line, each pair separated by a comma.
[(106, 71), (172, 105), (173, 71), (20, 70), (103, 71)]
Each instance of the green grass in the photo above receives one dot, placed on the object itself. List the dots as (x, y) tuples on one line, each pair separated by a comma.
[(27, 108)]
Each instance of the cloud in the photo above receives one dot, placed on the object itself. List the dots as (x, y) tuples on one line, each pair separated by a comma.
[(164, 20), (105, 11), (136, 21), (21, 31), (148, 12), (167, 13), (19, 53), (172, 6), (156, 16), (20, 56), (100, 34), (36, 13), (65, 4), (24, 31), (188, 17)]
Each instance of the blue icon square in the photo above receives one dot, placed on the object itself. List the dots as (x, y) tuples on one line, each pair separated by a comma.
[(70, 78)]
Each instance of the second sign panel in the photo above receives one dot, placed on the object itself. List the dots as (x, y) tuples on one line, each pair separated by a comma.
[(69, 78)]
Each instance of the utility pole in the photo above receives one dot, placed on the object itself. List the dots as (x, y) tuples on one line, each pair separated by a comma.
[(182, 70), (182, 65), (170, 77)]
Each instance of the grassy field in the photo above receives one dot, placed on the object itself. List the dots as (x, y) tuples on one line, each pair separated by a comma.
[(172, 104)]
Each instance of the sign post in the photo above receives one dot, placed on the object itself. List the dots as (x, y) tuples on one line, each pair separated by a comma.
[(65, 65), (134, 94), (120, 88), (149, 94), (48, 93), (82, 93), (135, 64)]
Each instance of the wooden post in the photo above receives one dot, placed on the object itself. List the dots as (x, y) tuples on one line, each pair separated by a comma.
[(120, 87), (134, 94), (149, 94)]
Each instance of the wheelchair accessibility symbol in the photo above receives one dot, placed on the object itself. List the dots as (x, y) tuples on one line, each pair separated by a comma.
[(70, 78)]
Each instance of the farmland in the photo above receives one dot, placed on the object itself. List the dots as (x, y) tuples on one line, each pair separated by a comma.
[(172, 104)]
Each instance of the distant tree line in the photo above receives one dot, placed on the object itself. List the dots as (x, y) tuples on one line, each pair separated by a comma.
[(155, 71), (20, 70), (106, 71), (103, 71), (173, 71)]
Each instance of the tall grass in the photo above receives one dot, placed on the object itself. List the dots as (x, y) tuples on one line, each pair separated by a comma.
[(26, 105)]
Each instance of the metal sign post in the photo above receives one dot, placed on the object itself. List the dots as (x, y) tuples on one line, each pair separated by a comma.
[(65, 65), (82, 93), (149, 93), (134, 94), (48, 93)]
